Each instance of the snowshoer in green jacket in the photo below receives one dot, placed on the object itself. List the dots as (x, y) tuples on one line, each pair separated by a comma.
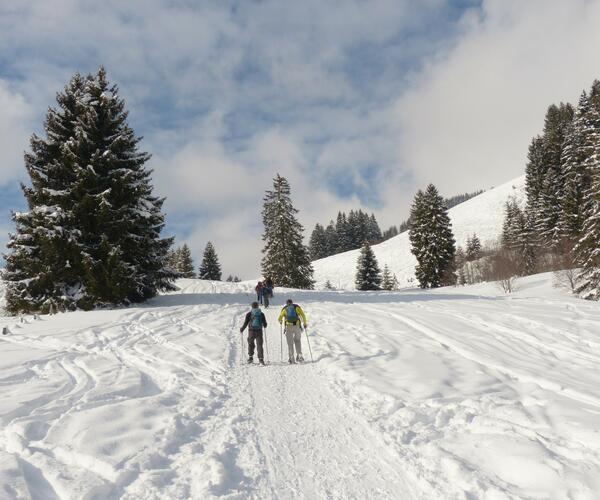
[(255, 321)]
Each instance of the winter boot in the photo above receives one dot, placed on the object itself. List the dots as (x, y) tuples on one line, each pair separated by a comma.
[(299, 358), (250, 360), (261, 361), (291, 361)]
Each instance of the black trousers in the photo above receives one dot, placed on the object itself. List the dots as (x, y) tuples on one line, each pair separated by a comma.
[(255, 335)]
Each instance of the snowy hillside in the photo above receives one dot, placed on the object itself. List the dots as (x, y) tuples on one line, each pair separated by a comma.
[(454, 393), (483, 214)]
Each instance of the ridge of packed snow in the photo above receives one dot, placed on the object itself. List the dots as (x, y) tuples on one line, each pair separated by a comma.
[(482, 214)]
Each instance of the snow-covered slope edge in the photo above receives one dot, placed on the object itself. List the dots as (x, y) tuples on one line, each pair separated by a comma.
[(482, 214)]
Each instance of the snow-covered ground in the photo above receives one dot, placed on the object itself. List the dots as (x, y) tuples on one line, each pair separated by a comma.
[(483, 215), (459, 393)]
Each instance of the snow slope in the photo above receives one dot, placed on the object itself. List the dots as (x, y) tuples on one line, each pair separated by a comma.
[(455, 393), (483, 214)]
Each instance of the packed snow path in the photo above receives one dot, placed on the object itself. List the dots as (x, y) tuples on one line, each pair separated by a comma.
[(460, 393)]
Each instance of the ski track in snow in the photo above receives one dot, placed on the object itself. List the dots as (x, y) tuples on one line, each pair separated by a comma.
[(458, 393)]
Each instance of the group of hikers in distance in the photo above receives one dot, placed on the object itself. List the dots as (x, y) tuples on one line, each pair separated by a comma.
[(264, 291), (291, 318)]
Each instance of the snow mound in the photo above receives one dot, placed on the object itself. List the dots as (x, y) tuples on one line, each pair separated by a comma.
[(483, 215)]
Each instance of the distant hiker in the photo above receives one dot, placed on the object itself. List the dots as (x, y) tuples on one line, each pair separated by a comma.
[(294, 319), (269, 283), (267, 294), (255, 321), (259, 288)]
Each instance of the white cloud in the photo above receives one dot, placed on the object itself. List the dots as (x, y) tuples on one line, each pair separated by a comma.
[(229, 95), (470, 114), (14, 115)]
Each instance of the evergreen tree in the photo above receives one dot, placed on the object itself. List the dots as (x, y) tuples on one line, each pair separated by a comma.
[(318, 245), (432, 242), (173, 259), (473, 248), (331, 238), (375, 235), (368, 275), (285, 258), (578, 162), (210, 269), (91, 236), (390, 233), (587, 250), (343, 233), (185, 264), (545, 174), (387, 280), (511, 213), (518, 238)]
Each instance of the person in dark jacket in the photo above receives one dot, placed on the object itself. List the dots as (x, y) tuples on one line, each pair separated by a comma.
[(255, 321), (259, 291)]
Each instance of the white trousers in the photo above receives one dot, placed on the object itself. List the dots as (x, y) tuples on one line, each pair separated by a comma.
[(293, 334)]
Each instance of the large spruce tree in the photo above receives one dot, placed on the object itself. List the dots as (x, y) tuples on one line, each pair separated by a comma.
[(432, 241), (91, 235), (285, 257), (210, 268), (368, 274)]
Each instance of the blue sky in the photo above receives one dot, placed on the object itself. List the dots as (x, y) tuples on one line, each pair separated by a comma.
[(358, 103)]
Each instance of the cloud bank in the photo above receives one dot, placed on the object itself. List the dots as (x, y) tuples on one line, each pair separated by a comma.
[(357, 103)]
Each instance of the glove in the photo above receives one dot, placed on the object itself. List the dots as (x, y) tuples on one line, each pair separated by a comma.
[(305, 326), (241, 330)]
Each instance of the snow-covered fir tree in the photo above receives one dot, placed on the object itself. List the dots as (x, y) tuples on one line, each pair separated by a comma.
[(173, 259), (473, 251), (210, 268), (91, 235), (331, 238), (185, 263), (285, 257), (343, 231), (390, 233), (368, 274), (387, 279), (318, 244), (545, 175), (431, 238), (518, 237), (375, 235), (512, 212), (578, 163), (587, 250)]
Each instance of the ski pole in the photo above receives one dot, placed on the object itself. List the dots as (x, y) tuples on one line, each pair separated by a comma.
[(309, 349), (266, 344), (242, 350), (281, 340)]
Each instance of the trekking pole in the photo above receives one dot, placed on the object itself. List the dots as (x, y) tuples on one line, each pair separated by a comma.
[(242, 350), (281, 340), (309, 349), (266, 344)]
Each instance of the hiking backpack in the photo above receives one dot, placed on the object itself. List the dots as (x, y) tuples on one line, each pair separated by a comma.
[(291, 316), (255, 319)]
